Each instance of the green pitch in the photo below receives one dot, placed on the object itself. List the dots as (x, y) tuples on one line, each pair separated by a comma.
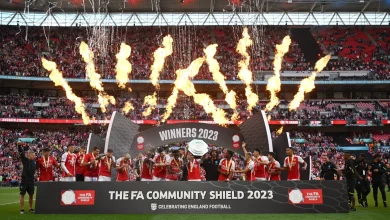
[(9, 209)]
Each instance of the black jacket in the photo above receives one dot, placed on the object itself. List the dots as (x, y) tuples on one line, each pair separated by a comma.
[(377, 176), (211, 168), (29, 166), (328, 170), (349, 169), (361, 169)]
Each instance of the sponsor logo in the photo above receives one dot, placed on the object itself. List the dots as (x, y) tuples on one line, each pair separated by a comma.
[(140, 143), (77, 197), (236, 142), (305, 196), (153, 206)]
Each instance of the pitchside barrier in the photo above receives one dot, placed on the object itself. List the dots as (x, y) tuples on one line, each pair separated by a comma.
[(192, 197)]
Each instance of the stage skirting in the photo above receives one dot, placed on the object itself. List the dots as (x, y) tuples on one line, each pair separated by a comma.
[(192, 197)]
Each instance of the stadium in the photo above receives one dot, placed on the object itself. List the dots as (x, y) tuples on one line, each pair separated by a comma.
[(158, 109)]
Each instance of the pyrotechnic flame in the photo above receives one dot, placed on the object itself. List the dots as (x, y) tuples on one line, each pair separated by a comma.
[(269, 117), (123, 66), (150, 100), (274, 83), (244, 73), (94, 77), (279, 131), (58, 79), (159, 59), (214, 68), (128, 106), (307, 84), (184, 84)]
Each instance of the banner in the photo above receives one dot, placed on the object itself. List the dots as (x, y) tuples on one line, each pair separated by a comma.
[(175, 133), (192, 197)]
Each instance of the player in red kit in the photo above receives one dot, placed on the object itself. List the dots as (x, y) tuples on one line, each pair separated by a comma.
[(105, 165), (160, 166), (122, 167), (193, 168), (226, 167), (91, 161), (260, 162), (273, 168), (45, 166), (146, 169), (249, 168), (291, 164), (68, 165), (80, 169), (175, 167)]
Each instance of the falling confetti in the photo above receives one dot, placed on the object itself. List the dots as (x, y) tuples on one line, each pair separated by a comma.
[(58, 79), (307, 84), (274, 83)]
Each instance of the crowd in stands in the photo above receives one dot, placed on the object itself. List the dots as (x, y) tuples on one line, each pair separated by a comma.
[(355, 50), (42, 106), (21, 57)]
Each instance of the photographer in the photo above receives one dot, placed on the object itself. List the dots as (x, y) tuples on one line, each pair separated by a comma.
[(28, 175)]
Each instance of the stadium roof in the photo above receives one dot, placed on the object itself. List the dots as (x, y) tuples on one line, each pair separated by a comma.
[(199, 5)]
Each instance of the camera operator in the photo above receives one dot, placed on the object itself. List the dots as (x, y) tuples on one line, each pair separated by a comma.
[(28, 176)]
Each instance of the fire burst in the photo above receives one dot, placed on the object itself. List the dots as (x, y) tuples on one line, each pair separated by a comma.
[(214, 68), (94, 77), (123, 68), (245, 74), (58, 79), (184, 84), (274, 83), (160, 56), (307, 84), (279, 131)]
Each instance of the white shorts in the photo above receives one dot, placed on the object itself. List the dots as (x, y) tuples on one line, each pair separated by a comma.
[(146, 180), (261, 179), (195, 180), (104, 179), (293, 180), (90, 179), (68, 179), (158, 179)]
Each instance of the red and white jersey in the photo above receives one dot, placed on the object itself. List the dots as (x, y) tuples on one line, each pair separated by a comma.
[(292, 164), (80, 169), (226, 167), (91, 170), (146, 173), (176, 166), (68, 164), (123, 174), (261, 169), (250, 175), (105, 166), (193, 168), (274, 167), (159, 171), (45, 167)]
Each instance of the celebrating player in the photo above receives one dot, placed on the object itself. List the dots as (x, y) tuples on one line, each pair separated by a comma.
[(122, 167), (193, 168), (174, 167), (160, 166), (105, 165), (260, 170), (91, 161), (273, 168), (249, 168), (226, 166), (291, 164), (45, 166), (68, 165), (80, 169), (146, 168)]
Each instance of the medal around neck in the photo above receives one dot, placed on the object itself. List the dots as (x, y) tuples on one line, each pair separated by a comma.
[(198, 147)]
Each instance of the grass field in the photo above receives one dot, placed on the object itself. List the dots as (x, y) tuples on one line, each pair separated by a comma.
[(9, 209)]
